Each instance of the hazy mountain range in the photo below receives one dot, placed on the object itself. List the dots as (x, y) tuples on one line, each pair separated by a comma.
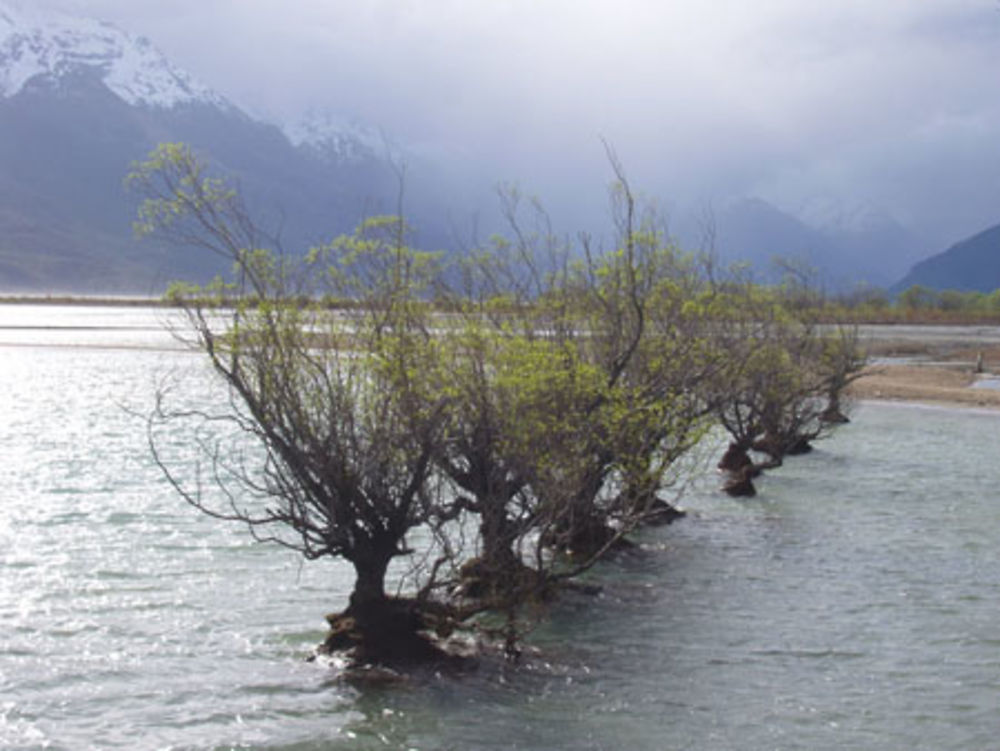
[(840, 249), (80, 100)]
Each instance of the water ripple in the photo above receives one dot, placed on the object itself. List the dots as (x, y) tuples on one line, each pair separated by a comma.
[(854, 604)]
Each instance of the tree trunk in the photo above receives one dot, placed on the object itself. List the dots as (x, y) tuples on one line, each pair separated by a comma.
[(498, 570), (661, 513), (376, 628), (582, 528), (735, 458), (584, 535), (833, 414), (799, 447), (368, 603), (497, 536), (771, 444), (639, 500)]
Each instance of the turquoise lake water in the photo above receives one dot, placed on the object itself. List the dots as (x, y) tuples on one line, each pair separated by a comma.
[(855, 603)]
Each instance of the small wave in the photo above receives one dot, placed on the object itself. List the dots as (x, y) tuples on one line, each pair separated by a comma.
[(811, 654)]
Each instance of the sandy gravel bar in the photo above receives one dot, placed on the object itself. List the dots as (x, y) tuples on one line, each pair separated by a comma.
[(931, 364), (923, 383)]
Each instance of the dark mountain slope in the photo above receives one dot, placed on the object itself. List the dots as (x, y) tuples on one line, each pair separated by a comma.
[(972, 265)]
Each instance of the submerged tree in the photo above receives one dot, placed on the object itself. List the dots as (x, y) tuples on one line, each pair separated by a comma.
[(343, 434), (494, 317), (784, 382), (630, 324), (842, 361)]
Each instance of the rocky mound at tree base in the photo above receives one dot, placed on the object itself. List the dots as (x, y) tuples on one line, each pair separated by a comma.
[(404, 632)]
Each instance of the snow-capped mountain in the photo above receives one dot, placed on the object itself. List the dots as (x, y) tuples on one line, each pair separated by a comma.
[(49, 46), (81, 101)]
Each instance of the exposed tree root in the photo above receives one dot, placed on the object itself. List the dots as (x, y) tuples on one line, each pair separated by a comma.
[(740, 484)]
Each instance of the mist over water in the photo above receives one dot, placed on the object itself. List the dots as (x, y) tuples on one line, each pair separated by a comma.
[(854, 604)]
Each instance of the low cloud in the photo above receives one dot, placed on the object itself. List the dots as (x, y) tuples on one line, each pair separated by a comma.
[(892, 102)]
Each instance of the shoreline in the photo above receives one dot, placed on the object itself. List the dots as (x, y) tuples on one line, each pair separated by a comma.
[(930, 369), (107, 301), (886, 326)]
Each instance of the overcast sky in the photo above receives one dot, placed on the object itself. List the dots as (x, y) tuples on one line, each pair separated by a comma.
[(890, 102)]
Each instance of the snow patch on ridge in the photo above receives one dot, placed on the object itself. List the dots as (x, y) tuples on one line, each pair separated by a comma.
[(336, 138), (839, 215), (52, 45)]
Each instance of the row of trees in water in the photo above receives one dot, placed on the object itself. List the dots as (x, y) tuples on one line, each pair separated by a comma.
[(482, 428)]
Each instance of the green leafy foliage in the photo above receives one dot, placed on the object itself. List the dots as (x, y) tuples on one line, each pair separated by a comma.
[(545, 399)]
